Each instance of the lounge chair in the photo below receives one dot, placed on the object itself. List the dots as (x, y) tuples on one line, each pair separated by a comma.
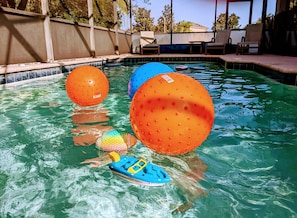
[(148, 42), (220, 42), (251, 42)]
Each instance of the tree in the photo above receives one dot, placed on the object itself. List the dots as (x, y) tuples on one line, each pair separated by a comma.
[(183, 26), (164, 22), (103, 13), (269, 21), (143, 20), (74, 10), (232, 22), (25, 5)]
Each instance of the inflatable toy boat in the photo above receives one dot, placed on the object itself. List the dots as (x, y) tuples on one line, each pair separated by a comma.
[(138, 170)]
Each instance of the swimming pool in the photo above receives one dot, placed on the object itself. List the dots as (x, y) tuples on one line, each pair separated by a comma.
[(246, 167)]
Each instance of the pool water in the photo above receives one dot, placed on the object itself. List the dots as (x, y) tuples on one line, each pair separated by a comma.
[(247, 167)]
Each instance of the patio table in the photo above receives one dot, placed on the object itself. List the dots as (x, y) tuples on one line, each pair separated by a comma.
[(195, 43)]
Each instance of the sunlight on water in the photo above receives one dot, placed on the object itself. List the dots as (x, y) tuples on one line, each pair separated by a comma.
[(246, 167)]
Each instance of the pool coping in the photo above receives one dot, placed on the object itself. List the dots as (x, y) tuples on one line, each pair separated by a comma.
[(280, 68)]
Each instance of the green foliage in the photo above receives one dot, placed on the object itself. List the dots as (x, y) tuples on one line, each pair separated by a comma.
[(103, 13), (75, 10), (183, 26), (25, 5), (269, 21), (143, 20), (232, 22), (164, 22)]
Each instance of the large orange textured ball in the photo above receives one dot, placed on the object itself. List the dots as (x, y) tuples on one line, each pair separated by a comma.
[(172, 113), (87, 86)]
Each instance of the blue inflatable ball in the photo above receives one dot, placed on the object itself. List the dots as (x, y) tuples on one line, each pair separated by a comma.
[(145, 72)]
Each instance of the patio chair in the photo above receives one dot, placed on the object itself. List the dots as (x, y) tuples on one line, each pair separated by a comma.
[(148, 42), (251, 42), (220, 42)]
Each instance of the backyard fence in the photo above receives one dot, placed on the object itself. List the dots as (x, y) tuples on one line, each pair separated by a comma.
[(34, 37), (31, 37)]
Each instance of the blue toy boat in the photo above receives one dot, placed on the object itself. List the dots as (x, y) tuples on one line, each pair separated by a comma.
[(138, 170)]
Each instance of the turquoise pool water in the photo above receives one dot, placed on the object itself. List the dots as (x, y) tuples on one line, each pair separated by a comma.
[(246, 168)]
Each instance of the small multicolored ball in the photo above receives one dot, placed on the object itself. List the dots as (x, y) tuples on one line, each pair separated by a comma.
[(87, 86)]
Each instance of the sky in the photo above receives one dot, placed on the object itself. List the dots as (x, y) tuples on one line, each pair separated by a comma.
[(202, 11)]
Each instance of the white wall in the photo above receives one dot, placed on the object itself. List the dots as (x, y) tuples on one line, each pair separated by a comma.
[(185, 38)]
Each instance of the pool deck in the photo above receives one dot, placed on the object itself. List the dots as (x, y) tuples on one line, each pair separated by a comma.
[(285, 65)]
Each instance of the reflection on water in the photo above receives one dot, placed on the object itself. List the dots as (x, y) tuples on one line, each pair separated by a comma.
[(245, 168), (89, 125), (186, 171)]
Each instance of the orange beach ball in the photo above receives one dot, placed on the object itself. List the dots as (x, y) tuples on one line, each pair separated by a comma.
[(87, 86), (172, 113)]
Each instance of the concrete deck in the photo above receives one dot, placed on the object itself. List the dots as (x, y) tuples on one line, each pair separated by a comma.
[(283, 64)]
